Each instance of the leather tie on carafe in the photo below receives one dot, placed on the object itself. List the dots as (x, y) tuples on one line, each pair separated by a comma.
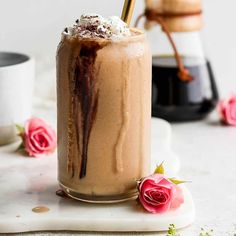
[(152, 15)]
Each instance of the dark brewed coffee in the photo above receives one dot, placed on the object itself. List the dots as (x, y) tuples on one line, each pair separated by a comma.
[(176, 100)]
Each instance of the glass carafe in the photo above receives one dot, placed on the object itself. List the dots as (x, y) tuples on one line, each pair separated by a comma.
[(183, 83)]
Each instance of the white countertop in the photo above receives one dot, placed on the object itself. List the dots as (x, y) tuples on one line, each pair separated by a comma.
[(208, 157)]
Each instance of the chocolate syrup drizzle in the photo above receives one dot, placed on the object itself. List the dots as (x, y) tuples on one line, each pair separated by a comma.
[(84, 99)]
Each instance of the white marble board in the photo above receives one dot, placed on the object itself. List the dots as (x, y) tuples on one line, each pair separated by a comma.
[(26, 183)]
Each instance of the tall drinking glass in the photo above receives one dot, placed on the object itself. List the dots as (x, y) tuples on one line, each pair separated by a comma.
[(104, 114)]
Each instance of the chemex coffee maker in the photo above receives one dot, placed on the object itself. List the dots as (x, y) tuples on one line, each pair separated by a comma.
[(183, 84)]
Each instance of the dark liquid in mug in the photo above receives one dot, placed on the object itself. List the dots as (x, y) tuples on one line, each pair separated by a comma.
[(175, 100)]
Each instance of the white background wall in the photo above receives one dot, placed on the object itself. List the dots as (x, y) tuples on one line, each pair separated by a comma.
[(34, 26)]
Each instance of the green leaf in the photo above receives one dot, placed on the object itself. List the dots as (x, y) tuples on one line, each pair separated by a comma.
[(20, 129), (160, 169), (176, 181), (21, 147), (172, 231)]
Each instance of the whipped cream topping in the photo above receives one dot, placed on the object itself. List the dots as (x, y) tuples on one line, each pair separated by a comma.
[(96, 26)]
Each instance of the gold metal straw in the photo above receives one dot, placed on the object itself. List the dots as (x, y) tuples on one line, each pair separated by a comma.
[(128, 10)]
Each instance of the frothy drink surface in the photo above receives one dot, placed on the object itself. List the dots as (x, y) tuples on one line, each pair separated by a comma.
[(96, 26), (104, 108)]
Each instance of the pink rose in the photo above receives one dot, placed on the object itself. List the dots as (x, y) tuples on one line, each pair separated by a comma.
[(38, 138), (158, 194), (227, 110)]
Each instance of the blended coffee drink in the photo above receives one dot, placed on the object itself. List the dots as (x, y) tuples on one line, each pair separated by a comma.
[(104, 109)]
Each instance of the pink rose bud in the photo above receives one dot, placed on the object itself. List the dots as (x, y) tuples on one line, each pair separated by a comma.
[(158, 194), (227, 110), (38, 138)]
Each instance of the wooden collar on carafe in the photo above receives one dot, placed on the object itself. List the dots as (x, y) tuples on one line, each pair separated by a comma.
[(177, 16)]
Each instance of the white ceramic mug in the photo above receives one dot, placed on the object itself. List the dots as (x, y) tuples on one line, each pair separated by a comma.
[(16, 91)]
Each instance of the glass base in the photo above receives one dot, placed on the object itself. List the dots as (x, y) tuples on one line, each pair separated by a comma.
[(99, 199)]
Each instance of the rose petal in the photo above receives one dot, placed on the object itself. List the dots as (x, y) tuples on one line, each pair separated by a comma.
[(154, 180), (33, 124), (227, 110), (233, 111), (39, 138), (44, 139), (228, 116), (178, 198), (156, 196), (29, 146), (158, 193)]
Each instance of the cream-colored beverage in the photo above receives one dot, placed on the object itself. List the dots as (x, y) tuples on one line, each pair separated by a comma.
[(104, 109)]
